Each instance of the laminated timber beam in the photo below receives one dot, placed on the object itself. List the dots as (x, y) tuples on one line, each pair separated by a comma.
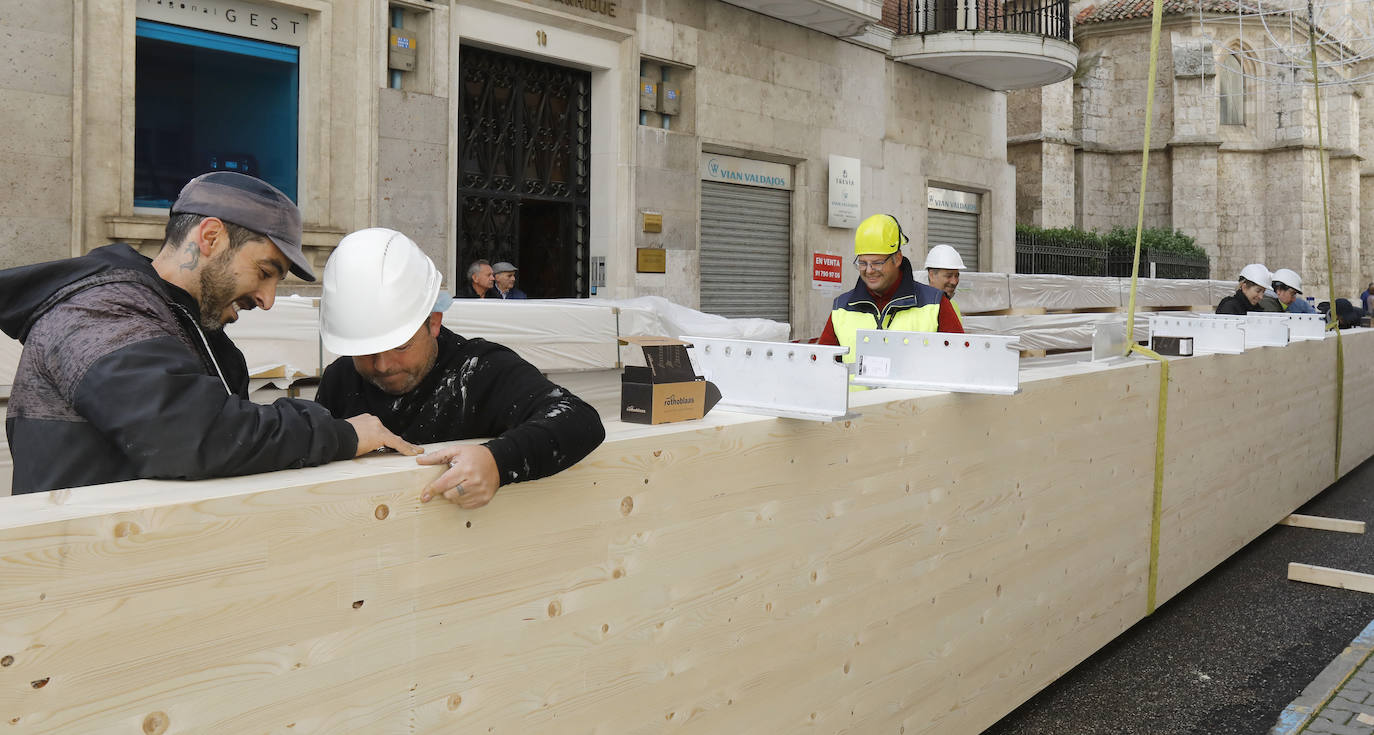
[(930, 565)]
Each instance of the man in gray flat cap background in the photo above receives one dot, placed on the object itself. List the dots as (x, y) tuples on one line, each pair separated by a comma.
[(126, 371), (505, 281)]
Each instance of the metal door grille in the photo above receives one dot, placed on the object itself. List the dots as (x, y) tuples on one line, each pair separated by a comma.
[(746, 251), (524, 136)]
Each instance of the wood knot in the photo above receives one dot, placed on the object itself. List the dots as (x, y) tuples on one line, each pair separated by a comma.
[(126, 528), (605, 628), (617, 574), (658, 452), (627, 504), (382, 512), (453, 701), (7, 661), (156, 723), (357, 604), (555, 609), (39, 683)]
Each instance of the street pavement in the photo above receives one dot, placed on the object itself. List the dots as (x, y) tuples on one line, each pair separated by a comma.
[(1227, 655)]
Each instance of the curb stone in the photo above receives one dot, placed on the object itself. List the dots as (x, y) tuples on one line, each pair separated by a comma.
[(1300, 713)]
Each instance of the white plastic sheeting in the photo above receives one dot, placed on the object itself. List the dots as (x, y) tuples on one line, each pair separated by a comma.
[(982, 292), (555, 335), (1064, 292), (1051, 331)]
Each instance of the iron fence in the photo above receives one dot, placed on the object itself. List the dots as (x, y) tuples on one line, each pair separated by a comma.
[(1048, 18), (1036, 253)]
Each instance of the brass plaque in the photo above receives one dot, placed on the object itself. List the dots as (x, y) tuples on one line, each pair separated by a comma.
[(651, 260), (653, 221)]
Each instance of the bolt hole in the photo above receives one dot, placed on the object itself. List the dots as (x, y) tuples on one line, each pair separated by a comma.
[(813, 357), (469, 524), (947, 343), (727, 351), (768, 354), (748, 352), (966, 344), (906, 340)]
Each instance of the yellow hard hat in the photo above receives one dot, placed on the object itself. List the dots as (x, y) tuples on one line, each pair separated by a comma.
[(880, 234)]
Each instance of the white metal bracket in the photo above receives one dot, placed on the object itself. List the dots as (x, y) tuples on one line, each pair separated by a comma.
[(790, 380), (1300, 326), (1109, 340), (1223, 335), (959, 363), (1260, 330)]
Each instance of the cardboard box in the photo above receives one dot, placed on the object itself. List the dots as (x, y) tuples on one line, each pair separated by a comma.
[(667, 389)]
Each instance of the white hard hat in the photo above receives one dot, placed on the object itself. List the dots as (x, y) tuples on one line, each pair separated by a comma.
[(1256, 273), (378, 287), (1289, 278), (944, 256)]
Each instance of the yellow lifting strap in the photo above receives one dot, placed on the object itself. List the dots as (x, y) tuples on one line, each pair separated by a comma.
[(1158, 501), (1157, 505), (1326, 226)]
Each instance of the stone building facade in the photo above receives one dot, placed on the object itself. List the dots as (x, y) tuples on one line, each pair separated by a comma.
[(1248, 187), (368, 145)]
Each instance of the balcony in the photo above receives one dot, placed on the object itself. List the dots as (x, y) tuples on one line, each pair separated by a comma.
[(839, 18), (1000, 45)]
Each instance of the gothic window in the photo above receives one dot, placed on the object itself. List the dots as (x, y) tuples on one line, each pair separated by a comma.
[(1231, 81)]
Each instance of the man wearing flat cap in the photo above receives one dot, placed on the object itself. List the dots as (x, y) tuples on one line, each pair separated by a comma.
[(505, 281), (126, 371)]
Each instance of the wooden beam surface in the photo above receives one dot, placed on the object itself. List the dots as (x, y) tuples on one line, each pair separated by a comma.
[(928, 566), (1323, 524), (1329, 577)]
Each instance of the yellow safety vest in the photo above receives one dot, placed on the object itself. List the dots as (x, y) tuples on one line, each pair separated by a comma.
[(847, 322)]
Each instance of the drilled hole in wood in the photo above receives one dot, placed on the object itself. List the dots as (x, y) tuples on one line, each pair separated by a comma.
[(469, 524), (382, 512), (156, 723), (357, 604)]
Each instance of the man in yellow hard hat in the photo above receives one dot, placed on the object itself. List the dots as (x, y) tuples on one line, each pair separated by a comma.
[(886, 296)]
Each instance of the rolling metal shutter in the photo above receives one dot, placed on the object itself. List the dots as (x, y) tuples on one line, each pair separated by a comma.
[(746, 251), (959, 229)]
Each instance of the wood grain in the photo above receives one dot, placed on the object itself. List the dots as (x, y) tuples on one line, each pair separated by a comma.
[(927, 567)]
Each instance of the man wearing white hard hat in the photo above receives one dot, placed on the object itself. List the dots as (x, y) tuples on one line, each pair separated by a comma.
[(1254, 279), (1285, 294), (943, 265), (382, 309)]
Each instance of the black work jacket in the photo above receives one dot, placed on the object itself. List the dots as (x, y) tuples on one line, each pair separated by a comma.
[(117, 381)]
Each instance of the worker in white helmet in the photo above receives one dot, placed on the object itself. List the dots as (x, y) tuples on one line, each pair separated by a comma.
[(382, 309), (1285, 294), (1254, 279), (943, 265)]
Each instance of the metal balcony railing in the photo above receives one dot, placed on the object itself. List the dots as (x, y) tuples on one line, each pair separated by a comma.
[(1048, 18)]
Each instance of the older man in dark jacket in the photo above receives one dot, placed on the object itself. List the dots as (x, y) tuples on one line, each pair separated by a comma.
[(126, 372)]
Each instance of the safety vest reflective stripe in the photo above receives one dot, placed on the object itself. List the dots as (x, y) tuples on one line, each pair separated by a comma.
[(847, 323)]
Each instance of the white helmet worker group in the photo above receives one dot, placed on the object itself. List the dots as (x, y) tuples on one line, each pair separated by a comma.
[(1262, 290), (378, 269)]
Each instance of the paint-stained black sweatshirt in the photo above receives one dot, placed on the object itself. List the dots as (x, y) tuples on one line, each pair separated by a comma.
[(477, 389)]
